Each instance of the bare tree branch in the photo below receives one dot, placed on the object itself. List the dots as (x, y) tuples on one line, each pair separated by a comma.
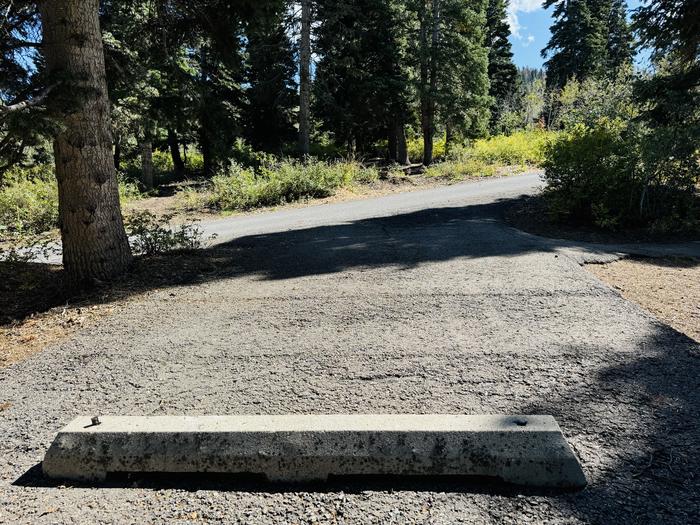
[(19, 106), (18, 44)]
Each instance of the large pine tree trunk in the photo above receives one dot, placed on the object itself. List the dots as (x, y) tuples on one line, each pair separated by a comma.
[(95, 245), (205, 147), (401, 146), (174, 146), (449, 137), (429, 122), (147, 164), (427, 102), (117, 153), (392, 142), (305, 77)]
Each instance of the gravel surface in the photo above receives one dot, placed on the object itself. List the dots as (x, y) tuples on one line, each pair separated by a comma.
[(668, 288), (442, 310)]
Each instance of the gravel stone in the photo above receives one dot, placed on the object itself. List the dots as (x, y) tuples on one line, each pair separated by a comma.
[(441, 310)]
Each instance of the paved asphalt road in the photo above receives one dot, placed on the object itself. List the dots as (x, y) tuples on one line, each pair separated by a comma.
[(418, 303)]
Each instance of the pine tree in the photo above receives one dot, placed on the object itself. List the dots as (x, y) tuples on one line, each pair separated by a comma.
[(502, 71), (619, 47), (589, 38), (453, 69), (463, 83), (577, 47), (362, 85), (272, 96)]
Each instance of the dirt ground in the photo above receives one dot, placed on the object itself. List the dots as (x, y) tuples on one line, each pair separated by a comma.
[(668, 288)]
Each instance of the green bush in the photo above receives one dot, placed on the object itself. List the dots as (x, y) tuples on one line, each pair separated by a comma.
[(162, 164), (152, 235), (285, 181), (520, 148), (194, 161), (457, 169), (415, 148), (128, 191), (28, 201), (614, 174)]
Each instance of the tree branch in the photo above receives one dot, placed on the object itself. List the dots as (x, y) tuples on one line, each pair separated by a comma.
[(19, 106), (19, 44)]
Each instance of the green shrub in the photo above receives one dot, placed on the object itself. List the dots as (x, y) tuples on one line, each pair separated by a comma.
[(194, 161), (28, 200), (457, 169), (191, 199), (128, 191), (153, 235), (614, 174), (162, 163), (285, 181), (415, 148), (520, 148)]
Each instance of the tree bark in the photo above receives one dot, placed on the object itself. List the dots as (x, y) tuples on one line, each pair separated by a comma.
[(205, 146), (449, 137), (424, 53), (392, 142), (147, 164), (429, 120), (117, 153), (401, 146), (174, 146), (305, 77), (95, 245)]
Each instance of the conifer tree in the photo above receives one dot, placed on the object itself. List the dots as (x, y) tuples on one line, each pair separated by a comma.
[(619, 47), (271, 68), (589, 38), (577, 47), (502, 71)]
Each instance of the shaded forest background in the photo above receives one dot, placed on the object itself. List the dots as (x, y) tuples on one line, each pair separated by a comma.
[(270, 101)]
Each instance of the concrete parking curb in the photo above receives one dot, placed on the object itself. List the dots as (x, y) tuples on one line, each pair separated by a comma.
[(524, 450)]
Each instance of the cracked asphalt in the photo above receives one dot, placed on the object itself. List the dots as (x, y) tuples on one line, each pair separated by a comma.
[(432, 306)]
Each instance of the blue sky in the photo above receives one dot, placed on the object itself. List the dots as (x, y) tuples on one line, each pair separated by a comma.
[(529, 24)]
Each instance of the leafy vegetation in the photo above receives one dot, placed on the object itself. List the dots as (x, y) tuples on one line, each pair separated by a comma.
[(29, 200), (152, 235), (219, 92), (241, 188), (520, 148)]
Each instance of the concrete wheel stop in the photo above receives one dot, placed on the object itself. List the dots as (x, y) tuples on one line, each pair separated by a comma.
[(527, 450)]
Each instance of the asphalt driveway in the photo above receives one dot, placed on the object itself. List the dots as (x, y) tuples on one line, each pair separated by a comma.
[(435, 306)]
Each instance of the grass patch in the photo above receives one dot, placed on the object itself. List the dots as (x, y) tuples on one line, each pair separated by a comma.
[(285, 181), (484, 157), (520, 148), (29, 200)]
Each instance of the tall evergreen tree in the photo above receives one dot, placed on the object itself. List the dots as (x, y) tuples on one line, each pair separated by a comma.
[(463, 83), (502, 71), (272, 96), (305, 77), (589, 38), (362, 80), (620, 41), (453, 68)]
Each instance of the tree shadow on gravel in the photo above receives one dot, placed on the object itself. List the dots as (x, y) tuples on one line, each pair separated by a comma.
[(641, 413), (403, 241)]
